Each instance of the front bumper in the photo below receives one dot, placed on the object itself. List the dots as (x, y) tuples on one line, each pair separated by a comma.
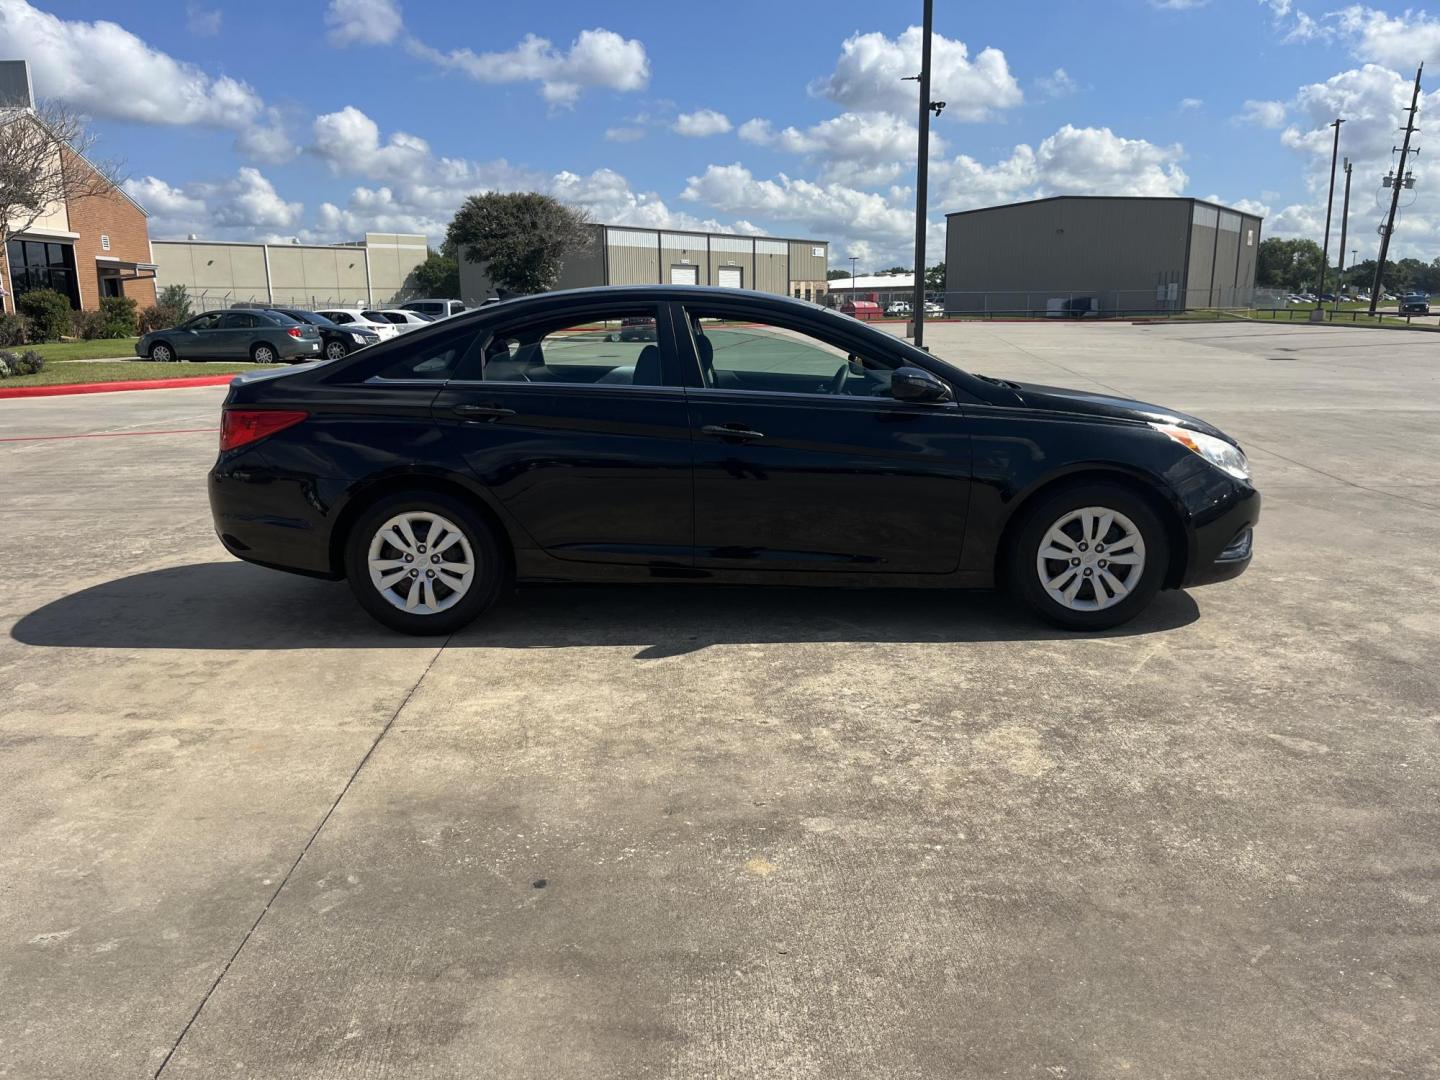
[(1222, 539)]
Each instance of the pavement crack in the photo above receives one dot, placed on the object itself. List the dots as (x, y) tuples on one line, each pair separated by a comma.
[(304, 850)]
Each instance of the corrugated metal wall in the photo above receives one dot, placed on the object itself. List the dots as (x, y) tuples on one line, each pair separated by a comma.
[(805, 264), (632, 257), (772, 266), (683, 249), (733, 251)]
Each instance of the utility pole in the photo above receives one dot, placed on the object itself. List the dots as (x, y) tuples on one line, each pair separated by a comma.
[(1344, 227), (853, 260), (1329, 206), (922, 171), (1389, 226)]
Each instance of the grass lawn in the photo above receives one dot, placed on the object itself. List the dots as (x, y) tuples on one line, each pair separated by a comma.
[(97, 349), (56, 374)]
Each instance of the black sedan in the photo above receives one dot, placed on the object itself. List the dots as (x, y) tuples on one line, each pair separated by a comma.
[(758, 439), (335, 340)]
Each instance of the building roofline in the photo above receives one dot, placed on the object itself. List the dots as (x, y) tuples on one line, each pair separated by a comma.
[(702, 232), (1107, 198), (358, 246), (28, 113)]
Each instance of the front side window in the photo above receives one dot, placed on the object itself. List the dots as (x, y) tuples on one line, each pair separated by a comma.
[(339, 317), (434, 358), (204, 322), (618, 348), (746, 354)]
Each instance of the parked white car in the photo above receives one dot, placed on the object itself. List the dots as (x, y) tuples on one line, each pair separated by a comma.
[(438, 309), (932, 309), (402, 320), (385, 329), (898, 307)]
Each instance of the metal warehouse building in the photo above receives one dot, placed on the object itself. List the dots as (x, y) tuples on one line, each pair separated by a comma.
[(621, 255), (1070, 254)]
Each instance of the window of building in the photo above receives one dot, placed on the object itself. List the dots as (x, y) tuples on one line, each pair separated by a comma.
[(40, 264)]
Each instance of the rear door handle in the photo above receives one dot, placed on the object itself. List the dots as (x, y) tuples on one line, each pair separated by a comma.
[(482, 412), (732, 431)]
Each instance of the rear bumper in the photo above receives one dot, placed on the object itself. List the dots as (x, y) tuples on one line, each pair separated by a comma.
[(301, 349), (266, 517), (1223, 540)]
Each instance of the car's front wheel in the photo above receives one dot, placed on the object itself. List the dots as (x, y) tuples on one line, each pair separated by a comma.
[(1090, 556), (262, 353), (423, 564), (162, 353), (334, 350)]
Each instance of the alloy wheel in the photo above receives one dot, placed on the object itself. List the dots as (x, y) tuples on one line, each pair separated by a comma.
[(1090, 559), (421, 562), (264, 354), (334, 351), (161, 353)]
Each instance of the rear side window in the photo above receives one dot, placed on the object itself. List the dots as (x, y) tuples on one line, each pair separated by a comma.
[(427, 356), (619, 348), (238, 320)]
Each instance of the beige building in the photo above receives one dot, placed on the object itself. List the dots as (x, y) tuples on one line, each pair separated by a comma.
[(219, 273), (621, 255)]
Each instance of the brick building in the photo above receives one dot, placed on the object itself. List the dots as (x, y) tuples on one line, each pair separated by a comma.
[(82, 247)]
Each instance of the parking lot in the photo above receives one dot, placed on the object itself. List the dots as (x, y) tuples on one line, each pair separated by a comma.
[(686, 832)]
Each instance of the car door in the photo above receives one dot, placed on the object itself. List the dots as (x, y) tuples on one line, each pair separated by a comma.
[(803, 460), (237, 330), (583, 436), (195, 340)]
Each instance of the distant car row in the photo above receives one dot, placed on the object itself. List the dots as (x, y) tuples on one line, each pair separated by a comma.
[(269, 335)]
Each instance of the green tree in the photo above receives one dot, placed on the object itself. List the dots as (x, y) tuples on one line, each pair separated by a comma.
[(1288, 264), (835, 275), (935, 277), (176, 300), (438, 275), (896, 270), (523, 238)]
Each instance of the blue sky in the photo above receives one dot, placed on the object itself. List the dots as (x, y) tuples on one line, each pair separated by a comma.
[(321, 120)]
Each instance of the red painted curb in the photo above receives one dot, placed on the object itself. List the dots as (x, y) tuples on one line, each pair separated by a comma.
[(112, 387)]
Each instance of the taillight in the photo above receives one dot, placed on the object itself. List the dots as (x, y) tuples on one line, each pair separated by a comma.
[(239, 427), (293, 331)]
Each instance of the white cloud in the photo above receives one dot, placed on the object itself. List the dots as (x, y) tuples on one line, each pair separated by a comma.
[(238, 208), (1178, 5), (596, 59), (1400, 41), (1096, 161), (362, 22), (1057, 84), (624, 134), (104, 70), (203, 22), (349, 142), (702, 123), (868, 74), (862, 149), (1189, 103), (1265, 114)]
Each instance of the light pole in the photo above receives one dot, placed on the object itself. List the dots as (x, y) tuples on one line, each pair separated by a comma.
[(1389, 226), (1329, 206), (922, 171), (1344, 228)]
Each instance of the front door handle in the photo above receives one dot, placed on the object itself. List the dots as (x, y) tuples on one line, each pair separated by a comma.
[(738, 432), (482, 412)]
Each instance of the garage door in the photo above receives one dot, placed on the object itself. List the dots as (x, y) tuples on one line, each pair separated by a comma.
[(729, 277), (684, 275)]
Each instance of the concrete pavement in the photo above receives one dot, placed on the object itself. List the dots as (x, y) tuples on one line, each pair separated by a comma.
[(681, 832)]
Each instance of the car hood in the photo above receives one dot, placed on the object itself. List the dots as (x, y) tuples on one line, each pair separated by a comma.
[(1089, 403)]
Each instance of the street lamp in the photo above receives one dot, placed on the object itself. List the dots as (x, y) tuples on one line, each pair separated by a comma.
[(853, 260)]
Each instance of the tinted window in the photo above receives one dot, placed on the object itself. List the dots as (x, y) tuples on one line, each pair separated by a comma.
[(209, 321), (339, 317), (432, 357), (754, 354), (238, 320), (620, 349)]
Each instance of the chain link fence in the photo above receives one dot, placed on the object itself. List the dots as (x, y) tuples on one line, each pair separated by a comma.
[(219, 299)]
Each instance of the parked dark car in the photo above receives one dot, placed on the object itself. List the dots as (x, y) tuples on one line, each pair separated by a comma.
[(1415, 304), (335, 340), (641, 329), (758, 440), (264, 336)]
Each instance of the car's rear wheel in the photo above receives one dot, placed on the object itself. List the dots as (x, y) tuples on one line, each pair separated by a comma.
[(334, 350), (263, 353), (423, 564), (1089, 557), (162, 353)]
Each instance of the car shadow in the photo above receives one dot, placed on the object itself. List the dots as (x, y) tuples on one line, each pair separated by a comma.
[(232, 605)]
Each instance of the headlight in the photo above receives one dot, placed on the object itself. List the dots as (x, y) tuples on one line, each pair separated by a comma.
[(1225, 456), (359, 338)]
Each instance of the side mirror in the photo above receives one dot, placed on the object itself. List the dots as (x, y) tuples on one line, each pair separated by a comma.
[(917, 385)]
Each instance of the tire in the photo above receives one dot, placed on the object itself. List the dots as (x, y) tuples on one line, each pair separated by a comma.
[(1108, 595), (161, 352), (378, 534), (262, 352), (334, 350)]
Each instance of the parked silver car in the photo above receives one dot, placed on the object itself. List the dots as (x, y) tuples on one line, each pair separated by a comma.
[(437, 309), (266, 337)]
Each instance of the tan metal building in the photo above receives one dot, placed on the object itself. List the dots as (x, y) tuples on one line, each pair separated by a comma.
[(621, 255), (1100, 254), (221, 273)]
